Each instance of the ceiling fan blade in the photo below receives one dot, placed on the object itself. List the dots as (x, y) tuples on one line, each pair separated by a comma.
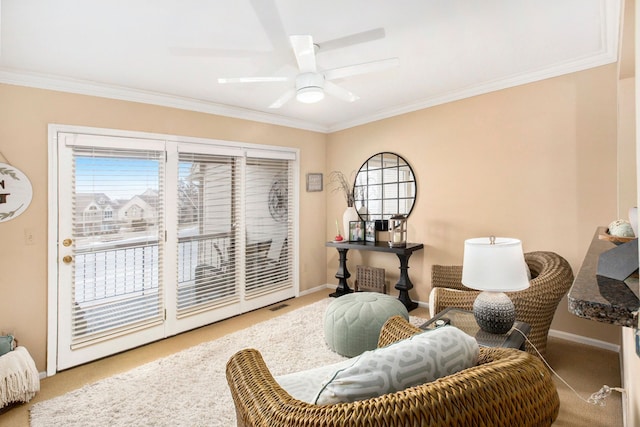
[(271, 22), (286, 97), (305, 53), (224, 80), (340, 92), (363, 37), (367, 67), (267, 13)]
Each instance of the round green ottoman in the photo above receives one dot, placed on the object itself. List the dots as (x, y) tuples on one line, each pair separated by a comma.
[(352, 322)]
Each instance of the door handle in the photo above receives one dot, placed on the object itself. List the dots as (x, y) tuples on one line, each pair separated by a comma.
[(67, 259), (67, 242)]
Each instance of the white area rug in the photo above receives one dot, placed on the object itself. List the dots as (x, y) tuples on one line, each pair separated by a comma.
[(189, 388)]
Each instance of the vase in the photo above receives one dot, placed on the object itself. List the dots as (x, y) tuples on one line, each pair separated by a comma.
[(350, 214)]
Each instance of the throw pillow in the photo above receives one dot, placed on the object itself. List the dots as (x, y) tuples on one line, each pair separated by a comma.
[(7, 343), (416, 360), (304, 385)]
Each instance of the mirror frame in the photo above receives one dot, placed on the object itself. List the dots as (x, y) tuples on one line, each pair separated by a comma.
[(378, 176)]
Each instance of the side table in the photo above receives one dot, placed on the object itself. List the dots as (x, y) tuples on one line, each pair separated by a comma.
[(464, 320)]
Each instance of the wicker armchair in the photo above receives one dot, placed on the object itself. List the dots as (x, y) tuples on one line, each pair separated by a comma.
[(508, 387), (551, 278)]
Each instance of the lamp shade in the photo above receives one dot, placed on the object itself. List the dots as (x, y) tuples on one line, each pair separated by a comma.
[(494, 264)]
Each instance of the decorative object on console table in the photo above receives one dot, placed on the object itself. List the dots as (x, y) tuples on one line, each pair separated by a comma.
[(398, 231), (350, 215), (494, 265), (340, 184), (382, 229), (356, 231), (339, 237), (370, 231)]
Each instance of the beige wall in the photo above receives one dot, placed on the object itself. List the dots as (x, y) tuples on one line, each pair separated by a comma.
[(627, 182), (536, 162), (24, 116)]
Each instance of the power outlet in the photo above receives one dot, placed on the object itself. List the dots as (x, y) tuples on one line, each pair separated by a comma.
[(29, 238)]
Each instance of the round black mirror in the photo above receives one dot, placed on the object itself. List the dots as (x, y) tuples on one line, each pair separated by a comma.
[(384, 186)]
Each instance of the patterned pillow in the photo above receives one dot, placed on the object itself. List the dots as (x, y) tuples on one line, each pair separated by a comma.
[(304, 385), (407, 363)]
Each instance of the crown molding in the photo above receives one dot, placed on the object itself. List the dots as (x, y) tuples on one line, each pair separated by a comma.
[(82, 87), (492, 86), (607, 56)]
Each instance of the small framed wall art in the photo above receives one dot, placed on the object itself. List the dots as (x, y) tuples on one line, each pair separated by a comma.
[(314, 182)]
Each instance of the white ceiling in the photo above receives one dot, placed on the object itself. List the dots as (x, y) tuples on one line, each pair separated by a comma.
[(171, 52)]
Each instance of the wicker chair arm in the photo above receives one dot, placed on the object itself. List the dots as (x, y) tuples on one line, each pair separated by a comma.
[(508, 387), (395, 329), (443, 298)]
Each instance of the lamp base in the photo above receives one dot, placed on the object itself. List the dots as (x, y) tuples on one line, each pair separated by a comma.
[(494, 312)]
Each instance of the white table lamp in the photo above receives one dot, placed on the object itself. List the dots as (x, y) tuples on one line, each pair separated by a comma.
[(494, 265)]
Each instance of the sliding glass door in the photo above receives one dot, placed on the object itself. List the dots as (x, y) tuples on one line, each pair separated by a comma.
[(161, 236)]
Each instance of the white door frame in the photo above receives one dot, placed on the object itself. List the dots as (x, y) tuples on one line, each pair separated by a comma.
[(53, 218)]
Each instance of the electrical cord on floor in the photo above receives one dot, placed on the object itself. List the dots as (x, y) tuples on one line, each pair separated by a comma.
[(597, 398)]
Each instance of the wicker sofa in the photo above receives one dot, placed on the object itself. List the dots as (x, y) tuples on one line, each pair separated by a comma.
[(508, 387), (551, 278)]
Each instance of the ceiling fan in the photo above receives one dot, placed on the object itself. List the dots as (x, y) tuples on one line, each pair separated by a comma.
[(311, 84)]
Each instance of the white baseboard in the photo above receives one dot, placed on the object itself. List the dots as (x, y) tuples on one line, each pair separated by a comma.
[(316, 289), (584, 340)]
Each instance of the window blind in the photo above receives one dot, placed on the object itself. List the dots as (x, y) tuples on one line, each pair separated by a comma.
[(207, 215), (118, 229), (268, 224)]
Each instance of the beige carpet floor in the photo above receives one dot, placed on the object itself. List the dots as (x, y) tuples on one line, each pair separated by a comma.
[(585, 368)]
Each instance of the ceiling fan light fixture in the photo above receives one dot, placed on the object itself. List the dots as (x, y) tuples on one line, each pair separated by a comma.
[(310, 94)]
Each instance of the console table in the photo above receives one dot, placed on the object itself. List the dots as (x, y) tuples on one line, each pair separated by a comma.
[(404, 283)]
